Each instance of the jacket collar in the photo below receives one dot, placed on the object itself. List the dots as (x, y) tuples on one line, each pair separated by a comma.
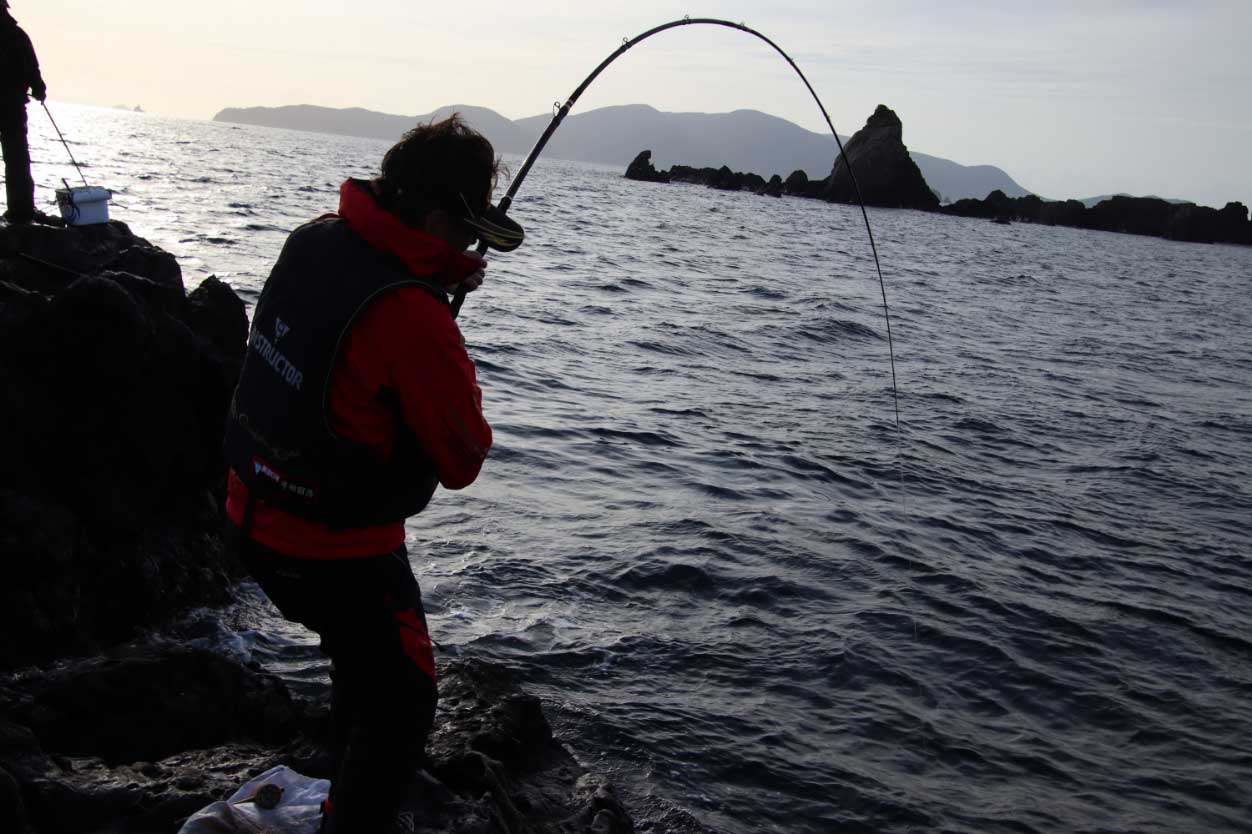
[(424, 255)]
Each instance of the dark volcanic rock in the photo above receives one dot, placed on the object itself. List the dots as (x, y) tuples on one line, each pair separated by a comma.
[(641, 169), (116, 385), (1132, 215), (155, 265), (110, 437), (141, 704), (797, 184), (218, 315), (1201, 224), (491, 739), (139, 740), (63, 253), (13, 816), (86, 795), (721, 178), (887, 175)]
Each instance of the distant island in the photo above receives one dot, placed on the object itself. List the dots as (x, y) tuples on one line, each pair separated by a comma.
[(888, 177), (745, 140), (715, 148)]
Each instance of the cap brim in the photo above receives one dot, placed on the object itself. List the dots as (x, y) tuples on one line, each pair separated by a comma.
[(497, 229)]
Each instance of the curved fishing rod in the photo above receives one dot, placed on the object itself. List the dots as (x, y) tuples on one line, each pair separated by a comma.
[(563, 110)]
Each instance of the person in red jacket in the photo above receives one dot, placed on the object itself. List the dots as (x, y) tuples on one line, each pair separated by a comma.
[(356, 399), (19, 73)]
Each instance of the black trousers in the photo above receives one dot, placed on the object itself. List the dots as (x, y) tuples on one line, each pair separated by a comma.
[(18, 185), (368, 613)]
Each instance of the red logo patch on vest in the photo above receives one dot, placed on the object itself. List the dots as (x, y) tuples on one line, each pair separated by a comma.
[(261, 468)]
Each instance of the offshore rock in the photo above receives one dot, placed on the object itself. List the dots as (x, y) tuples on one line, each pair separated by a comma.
[(796, 184), (116, 389), (641, 169), (887, 175), (721, 178), (1130, 215), (74, 756)]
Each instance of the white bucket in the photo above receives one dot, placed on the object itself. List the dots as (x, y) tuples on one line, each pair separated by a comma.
[(84, 206)]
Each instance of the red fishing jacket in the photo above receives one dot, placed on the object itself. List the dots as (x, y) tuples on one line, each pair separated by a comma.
[(406, 343)]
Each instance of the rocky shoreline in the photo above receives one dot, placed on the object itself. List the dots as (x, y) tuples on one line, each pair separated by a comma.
[(888, 178), (146, 734), (111, 479)]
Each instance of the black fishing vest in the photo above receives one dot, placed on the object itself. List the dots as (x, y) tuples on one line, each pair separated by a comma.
[(278, 435)]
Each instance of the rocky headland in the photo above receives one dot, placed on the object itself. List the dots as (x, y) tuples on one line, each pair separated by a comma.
[(889, 178), (117, 382)]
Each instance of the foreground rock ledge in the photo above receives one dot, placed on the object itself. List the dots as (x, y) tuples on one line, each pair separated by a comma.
[(116, 386), (117, 383), (138, 740)]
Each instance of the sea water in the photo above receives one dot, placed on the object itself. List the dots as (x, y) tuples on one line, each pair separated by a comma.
[(700, 538)]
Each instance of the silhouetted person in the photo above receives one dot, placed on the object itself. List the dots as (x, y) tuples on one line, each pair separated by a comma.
[(19, 72), (357, 400)]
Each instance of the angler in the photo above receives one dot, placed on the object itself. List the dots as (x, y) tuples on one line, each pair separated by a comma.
[(356, 400), (19, 73)]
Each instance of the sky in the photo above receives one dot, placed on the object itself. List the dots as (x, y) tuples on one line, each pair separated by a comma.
[(1072, 99)]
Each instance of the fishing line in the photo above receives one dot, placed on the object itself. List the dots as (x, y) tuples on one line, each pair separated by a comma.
[(562, 110), (66, 144), (51, 265)]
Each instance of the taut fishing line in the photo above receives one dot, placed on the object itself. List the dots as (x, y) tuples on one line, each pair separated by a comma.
[(562, 110)]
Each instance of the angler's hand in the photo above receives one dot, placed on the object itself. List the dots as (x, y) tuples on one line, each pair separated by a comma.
[(475, 279)]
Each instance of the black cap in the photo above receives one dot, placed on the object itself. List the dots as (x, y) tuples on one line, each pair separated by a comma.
[(493, 227)]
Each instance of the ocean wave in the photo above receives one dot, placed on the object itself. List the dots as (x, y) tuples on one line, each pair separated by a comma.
[(834, 331)]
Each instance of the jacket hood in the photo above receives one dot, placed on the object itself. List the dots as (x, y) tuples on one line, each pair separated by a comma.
[(422, 254)]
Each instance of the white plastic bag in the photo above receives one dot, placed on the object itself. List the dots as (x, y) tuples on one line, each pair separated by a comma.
[(299, 810)]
